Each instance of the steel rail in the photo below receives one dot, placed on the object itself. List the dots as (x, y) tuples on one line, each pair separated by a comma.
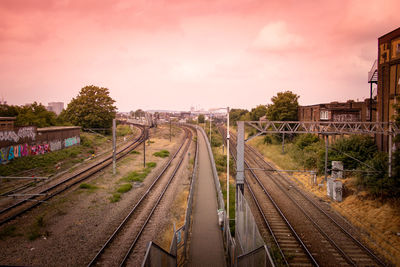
[(124, 221), (46, 191), (133, 244), (352, 238), (283, 217)]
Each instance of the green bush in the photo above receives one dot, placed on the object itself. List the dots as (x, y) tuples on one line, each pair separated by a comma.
[(123, 130), (304, 140), (88, 186), (115, 197), (360, 147), (124, 188), (162, 154)]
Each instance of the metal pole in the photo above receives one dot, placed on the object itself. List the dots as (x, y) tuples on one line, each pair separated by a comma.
[(390, 150), (144, 153), (210, 128), (370, 103), (283, 143), (170, 129), (114, 145), (227, 165), (326, 157)]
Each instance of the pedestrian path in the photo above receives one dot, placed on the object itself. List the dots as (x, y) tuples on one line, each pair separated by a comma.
[(206, 244)]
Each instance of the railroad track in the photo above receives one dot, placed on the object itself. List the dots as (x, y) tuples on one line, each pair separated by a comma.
[(38, 197), (323, 237), (119, 247)]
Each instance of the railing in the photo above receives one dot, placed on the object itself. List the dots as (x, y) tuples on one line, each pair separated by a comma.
[(255, 258), (230, 244), (156, 256)]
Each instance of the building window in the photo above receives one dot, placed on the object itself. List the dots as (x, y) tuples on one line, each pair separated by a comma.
[(323, 115)]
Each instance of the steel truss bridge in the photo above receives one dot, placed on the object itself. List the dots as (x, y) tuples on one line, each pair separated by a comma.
[(316, 127)]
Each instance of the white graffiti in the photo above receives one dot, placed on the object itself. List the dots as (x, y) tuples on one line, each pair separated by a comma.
[(25, 132), (55, 145), (8, 136)]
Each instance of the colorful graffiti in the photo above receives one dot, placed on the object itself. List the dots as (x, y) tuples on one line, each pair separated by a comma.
[(23, 150), (72, 141)]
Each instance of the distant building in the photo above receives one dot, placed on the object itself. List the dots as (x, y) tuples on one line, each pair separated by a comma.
[(56, 107), (388, 80), (335, 111)]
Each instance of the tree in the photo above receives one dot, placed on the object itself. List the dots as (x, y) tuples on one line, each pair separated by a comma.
[(35, 115), (201, 119), (92, 108), (284, 107), (257, 112), (236, 114), (30, 115)]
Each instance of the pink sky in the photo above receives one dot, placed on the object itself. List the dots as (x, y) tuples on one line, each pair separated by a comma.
[(181, 53)]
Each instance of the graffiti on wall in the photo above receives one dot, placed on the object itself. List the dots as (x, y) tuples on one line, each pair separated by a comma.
[(12, 136), (55, 145), (23, 150), (72, 141)]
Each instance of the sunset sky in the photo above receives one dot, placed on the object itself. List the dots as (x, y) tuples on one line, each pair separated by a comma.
[(182, 53)]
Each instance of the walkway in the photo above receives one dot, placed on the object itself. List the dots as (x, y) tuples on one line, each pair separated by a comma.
[(206, 245)]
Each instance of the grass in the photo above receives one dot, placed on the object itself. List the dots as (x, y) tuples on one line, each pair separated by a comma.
[(139, 176), (162, 154), (124, 188), (134, 176), (134, 152), (46, 164), (115, 197), (123, 130), (36, 228), (90, 187)]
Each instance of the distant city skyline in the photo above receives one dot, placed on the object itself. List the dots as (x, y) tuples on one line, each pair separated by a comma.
[(175, 55)]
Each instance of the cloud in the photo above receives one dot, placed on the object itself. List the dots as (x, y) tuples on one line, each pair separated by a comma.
[(276, 37)]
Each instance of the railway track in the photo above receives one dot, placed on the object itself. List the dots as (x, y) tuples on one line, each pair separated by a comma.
[(322, 236), (119, 248), (43, 195)]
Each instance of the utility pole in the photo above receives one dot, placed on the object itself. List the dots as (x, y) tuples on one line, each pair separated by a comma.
[(210, 128), (114, 145), (326, 156), (170, 129), (144, 153), (227, 164)]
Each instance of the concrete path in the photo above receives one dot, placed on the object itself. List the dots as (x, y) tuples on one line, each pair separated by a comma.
[(206, 245)]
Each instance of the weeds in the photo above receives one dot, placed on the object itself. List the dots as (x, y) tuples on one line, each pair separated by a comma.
[(115, 197), (35, 230), (90, 187), (162, 154), (134, 152), (124, 188)]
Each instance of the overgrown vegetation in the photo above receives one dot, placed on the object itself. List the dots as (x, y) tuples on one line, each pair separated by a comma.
[(123, 130), (358, 153), (89, 187), (124, 188), (45, 162), (139, 176), (36, 229), (162, 154)]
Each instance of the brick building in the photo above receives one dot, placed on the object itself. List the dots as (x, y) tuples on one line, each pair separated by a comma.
[(336, 111), (388, 80)]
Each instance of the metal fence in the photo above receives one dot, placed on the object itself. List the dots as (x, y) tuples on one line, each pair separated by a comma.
[(230, 244), (156, 256), (256, 257)]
